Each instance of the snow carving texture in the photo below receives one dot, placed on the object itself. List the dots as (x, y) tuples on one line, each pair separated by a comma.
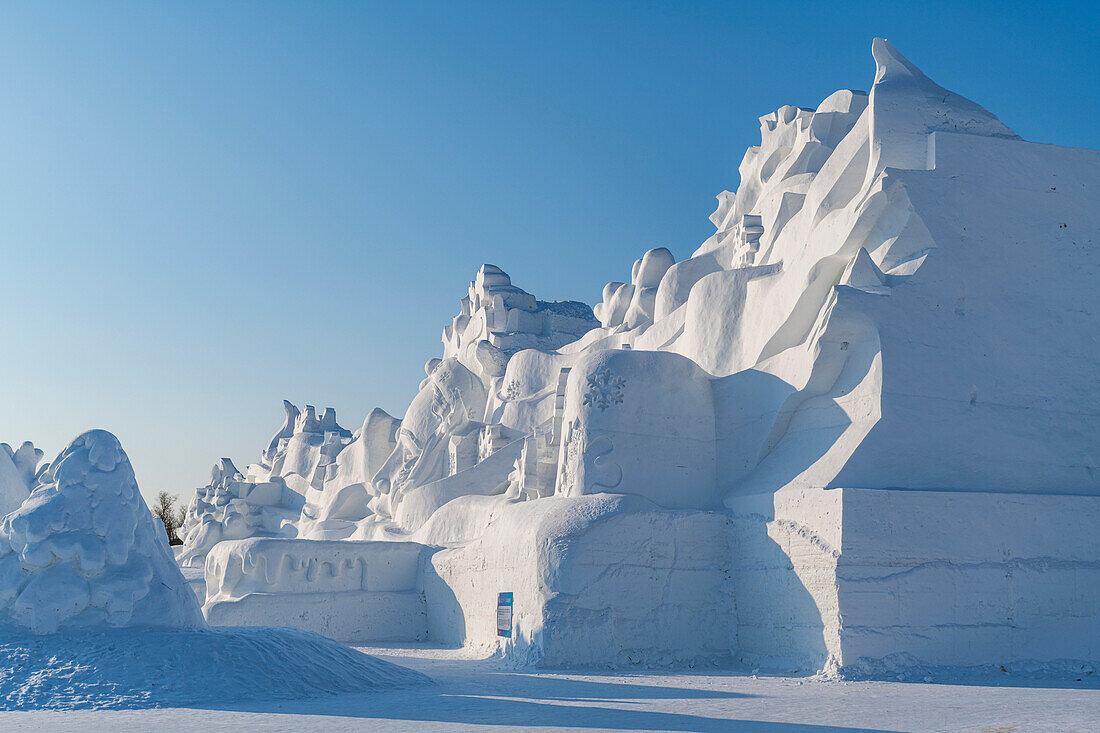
[(231, 508), (604, 390), (335, 510), (83, 551), (497, 314)]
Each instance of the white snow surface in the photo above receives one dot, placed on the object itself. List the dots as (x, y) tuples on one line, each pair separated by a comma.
[(126, 669), (478, 695)]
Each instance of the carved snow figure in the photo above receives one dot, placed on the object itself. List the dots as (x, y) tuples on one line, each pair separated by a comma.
[(84, 551), (94, 610), (269, 499), (285, 432), (333, 511), (497, 319), (451, 402), (302, 460)]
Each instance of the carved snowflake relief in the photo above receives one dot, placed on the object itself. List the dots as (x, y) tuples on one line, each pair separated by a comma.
[(604, 389)]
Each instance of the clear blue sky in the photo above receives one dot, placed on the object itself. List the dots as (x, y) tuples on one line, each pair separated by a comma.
[(206, 207)]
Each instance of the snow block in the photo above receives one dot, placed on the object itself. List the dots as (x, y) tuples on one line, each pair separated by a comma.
[(863, 580), (345, 590), (602, 579)]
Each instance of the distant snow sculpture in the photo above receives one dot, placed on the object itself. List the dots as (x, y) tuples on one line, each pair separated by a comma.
[(334, 510), (506, 318), (271, 498), (284, 434), (18, 472), (232, 508), (302, 458), (83, 551)]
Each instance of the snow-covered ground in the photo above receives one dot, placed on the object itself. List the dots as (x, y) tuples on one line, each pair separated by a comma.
[(472, 694)]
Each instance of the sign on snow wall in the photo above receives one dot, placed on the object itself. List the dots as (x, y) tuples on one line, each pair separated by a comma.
[(504, 614)]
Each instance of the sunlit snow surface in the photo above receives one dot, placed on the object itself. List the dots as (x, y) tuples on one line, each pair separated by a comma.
[(120, 669)]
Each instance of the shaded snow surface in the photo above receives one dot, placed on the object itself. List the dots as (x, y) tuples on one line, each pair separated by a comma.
[(117, 669), (473, 694)]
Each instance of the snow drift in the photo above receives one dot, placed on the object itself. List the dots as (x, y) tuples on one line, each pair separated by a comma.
[(121, 669)]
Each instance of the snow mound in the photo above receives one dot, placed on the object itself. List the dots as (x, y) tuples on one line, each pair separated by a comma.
[(123, 669), (84, 551)]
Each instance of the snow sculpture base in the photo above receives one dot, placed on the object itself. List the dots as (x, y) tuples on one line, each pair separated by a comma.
[(349, 591), (863, 582), (872, 582), (599, 580)]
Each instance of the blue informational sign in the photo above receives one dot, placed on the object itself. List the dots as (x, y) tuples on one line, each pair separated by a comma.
[(504, 614)]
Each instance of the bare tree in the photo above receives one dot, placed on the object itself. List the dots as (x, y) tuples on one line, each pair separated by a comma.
[(172, 517)]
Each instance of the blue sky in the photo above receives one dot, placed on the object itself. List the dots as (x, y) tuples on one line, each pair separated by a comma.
[(207, 207)]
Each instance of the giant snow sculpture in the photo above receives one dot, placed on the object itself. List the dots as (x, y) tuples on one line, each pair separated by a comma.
[(93, 608), (827, 437)]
